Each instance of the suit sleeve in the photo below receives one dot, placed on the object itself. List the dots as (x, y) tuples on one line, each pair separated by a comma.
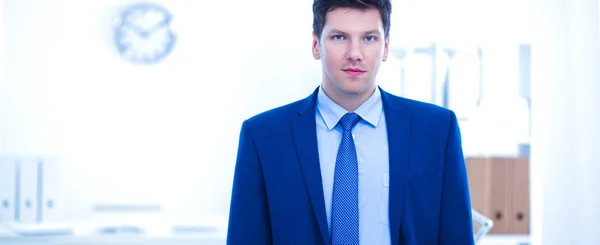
[(456, 225), (249, 214)]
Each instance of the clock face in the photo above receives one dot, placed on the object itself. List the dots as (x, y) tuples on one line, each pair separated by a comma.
[(144, 34)]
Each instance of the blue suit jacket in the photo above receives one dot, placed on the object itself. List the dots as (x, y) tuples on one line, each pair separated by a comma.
[(277, 195)]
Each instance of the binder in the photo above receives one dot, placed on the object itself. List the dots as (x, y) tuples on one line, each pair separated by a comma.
[(50, 206), (7, 190), (500, 195), (27, 196), (478, 173), (519, 217)]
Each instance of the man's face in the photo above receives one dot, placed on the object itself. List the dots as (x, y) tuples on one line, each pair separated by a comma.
[(351, 48)]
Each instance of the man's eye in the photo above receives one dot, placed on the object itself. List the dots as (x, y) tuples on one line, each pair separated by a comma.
[(338, 37), (370, 38)]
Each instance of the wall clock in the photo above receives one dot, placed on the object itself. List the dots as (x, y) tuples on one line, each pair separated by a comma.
[(143, 33)]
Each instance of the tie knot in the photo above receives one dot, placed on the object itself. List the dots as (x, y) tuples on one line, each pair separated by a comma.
[(349, 120)]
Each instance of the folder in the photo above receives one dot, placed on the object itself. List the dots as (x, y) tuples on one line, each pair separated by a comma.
[(519, 217), (7, 190), (27, 197), (479, 172), (50, 204), (500, 194)]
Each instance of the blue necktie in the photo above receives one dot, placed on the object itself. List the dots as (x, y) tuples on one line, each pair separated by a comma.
[(344, 203)]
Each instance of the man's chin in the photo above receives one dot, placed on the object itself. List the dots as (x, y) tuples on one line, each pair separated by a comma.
[(356, 90), (353, 92), (350, 88)]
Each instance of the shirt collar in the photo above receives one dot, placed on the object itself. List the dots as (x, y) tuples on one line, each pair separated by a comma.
[(369, 111)]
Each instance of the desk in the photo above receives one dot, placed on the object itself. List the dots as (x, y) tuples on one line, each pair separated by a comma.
[(495, 239), (196, 240), (9, 238)]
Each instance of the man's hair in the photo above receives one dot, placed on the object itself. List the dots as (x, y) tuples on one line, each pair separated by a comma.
[(322, 7)]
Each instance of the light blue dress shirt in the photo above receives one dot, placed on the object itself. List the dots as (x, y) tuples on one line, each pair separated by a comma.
[(370, 139)]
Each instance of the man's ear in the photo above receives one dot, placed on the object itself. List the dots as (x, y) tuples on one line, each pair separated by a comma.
[(315, 46), (386, 48)]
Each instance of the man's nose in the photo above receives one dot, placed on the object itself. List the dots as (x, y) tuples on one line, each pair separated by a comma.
[(355, 51)]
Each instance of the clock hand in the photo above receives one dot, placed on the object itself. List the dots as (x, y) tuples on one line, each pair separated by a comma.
[(136, 29), (158, 26)]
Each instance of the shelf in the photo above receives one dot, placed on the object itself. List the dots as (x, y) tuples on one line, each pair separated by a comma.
[(496, 239)]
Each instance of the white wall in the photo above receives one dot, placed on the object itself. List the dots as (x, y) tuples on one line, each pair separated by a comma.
[(566, 113), (1, 68)]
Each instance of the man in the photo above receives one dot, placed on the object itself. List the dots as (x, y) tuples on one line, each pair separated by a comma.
[(351, 164)]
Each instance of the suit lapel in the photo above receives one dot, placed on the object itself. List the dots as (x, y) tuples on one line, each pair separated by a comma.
[(398, 128), (305, 138)]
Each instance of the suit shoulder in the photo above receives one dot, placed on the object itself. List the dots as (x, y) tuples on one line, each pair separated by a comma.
[(429, 122), (424, 110), (274, 117)]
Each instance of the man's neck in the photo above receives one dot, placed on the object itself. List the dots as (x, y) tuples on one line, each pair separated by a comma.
[(350, 102)]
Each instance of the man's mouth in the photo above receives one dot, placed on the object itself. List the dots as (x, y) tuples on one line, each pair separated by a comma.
[(353, 72)]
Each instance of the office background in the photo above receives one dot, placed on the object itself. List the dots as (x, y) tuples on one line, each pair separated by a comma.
[(133, 143)]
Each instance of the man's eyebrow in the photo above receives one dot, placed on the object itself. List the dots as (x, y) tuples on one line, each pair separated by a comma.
[(374, 31), (336, 31), (371, 32)]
